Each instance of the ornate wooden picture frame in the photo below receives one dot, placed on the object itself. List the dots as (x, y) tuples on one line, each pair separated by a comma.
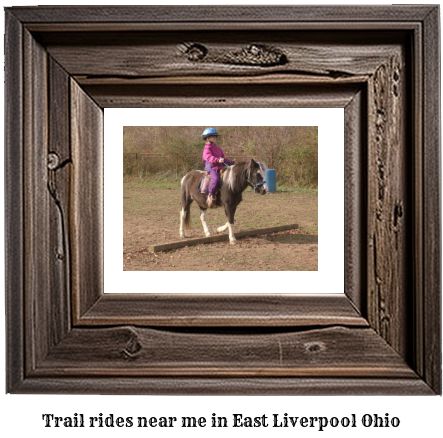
[(64, 65)]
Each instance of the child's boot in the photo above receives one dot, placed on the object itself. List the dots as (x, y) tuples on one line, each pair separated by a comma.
[(210, 200)]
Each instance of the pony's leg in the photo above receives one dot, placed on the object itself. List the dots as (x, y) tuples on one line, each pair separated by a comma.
[(203, 219), (230, 212), (232, 239), (182, 222), (223, 228)]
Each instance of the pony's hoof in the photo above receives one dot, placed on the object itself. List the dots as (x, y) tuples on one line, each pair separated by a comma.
[(182, 235), (220, 230), (208, 234), (233, 242)]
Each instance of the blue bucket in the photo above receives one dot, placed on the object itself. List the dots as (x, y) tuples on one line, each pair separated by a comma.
[(271, 180)]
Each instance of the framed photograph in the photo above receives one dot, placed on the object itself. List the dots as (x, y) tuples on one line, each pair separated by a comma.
[(377, 332), (148, 191)]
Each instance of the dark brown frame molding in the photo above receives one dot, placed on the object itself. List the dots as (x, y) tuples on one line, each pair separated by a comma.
[(64, 65)]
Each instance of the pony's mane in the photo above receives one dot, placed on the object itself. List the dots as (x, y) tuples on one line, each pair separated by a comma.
[(235, 176)]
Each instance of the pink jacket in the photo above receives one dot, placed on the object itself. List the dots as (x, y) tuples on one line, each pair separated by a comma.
[(211, 154)]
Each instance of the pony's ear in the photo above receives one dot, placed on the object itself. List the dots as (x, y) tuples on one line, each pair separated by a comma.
[(253, 164)]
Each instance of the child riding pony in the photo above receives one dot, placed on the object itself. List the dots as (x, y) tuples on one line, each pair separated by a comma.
[(213, 158)]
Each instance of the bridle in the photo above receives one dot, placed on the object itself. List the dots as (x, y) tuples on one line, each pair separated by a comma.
[(254, 186)]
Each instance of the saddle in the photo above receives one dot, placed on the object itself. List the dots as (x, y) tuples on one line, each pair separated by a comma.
[(204, 184)]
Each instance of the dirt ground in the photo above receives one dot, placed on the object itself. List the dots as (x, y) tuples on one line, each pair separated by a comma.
[(152, 216)]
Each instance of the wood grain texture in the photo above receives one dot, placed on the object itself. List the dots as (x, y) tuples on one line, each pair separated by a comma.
[(223, 96), (355, 194), (64, 65), (231, 310), (225, 14), (14, 203), (289, 386), (86, 197), (388, 204), (59, 166), (430, 319), (418, 357), (224, 53), (37, 305), (129, 351)]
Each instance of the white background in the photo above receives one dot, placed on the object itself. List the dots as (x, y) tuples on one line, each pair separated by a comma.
[(21, 414), (330, 122)]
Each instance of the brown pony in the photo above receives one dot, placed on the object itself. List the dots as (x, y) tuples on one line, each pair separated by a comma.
[(234, 180)]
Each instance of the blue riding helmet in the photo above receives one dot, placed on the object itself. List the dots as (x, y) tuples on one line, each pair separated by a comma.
[(209, 132)]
